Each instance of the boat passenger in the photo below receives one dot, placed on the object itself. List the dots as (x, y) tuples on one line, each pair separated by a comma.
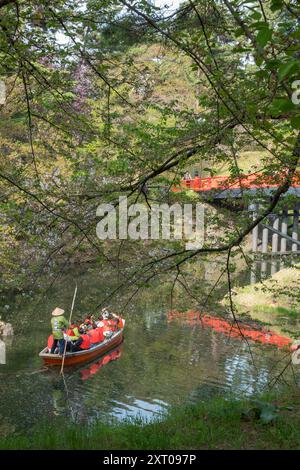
[(112, 322), (89, 322), (82, 343), (118, 321), (106, 328), (100, 323), (100, 334), (59, 324), (105, 313), (83, 326), (96, 335), (73, 332)]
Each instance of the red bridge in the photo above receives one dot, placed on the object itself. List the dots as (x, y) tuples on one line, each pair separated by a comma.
[(252, 181), (279, 231)]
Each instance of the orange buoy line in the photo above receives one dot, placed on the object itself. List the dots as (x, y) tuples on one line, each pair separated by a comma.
[(231, 329)]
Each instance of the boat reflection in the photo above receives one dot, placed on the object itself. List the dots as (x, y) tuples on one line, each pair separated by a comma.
[(92, 369)]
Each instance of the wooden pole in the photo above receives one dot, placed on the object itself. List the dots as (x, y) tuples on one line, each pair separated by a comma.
[(70, 318)]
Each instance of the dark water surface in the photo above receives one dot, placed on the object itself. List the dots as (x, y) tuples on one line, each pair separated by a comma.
[(159, 364)]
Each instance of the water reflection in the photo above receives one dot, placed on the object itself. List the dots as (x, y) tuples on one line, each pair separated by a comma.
[(94, 368)]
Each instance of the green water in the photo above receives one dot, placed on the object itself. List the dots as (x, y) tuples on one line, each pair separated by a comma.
[(159, 364)]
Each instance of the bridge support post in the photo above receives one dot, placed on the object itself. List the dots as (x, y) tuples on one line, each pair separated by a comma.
[(254, 208), (284, 226), (254, 271), (295, 229), (275, 235), (265, 237), (274, 266)]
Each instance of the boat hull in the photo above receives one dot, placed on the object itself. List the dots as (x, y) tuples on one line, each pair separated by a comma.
[(82, 356)]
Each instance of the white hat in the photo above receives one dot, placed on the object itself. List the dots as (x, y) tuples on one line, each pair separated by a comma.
[(57, 312)]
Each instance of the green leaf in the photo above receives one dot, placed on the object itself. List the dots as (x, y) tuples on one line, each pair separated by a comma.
[(263, 37), (239, 32), (295, 122), (258, 60), (276, 5), (256, 15), (262, 74), (281, 105), (260, 25), (286, 69)]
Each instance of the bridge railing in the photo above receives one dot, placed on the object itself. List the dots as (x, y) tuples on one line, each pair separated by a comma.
[(254, 180)]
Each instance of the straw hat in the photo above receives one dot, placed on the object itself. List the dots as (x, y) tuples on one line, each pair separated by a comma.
[(57, 312)]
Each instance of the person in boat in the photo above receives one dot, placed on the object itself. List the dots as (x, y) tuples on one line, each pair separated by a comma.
[(73, 332), (116, 320), (112, 322), (105, 313), (83, 342), (71, 336), (59, 324), (96, 335), (106, 324), (100, 328), (89, 321), (100, 323), (107, 320)]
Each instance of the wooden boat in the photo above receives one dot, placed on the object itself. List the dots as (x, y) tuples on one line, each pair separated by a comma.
[(86, 355)]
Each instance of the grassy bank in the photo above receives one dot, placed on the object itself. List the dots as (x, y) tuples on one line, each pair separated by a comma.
[(217, 424), (275, 301)]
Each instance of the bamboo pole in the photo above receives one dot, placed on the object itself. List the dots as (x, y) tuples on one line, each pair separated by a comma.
[(70, 318)]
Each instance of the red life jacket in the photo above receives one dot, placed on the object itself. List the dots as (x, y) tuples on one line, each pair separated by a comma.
[(94, 336), (112, 324), (70, 331), (86, 343), (50, 341), (100, 334), (106, 326)]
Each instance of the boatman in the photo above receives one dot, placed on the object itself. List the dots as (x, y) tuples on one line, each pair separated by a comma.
[(59, 325)]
